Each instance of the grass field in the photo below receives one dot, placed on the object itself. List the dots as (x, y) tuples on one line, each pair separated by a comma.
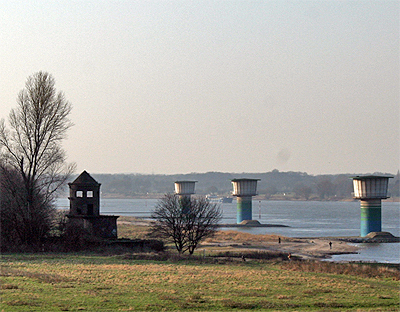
[(99, 282), (85, 282)]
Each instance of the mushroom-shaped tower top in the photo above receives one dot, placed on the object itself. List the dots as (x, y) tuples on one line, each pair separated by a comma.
[(371, 186), (184, 187), (244, 187)]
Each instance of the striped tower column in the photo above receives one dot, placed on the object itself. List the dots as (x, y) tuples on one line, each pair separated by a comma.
[(371, 216), (244, 208)]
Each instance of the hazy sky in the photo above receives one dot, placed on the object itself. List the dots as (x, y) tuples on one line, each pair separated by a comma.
[(231, 86)]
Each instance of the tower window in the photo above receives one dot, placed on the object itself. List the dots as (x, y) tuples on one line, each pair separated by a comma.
[(89, 194), (79, 193)]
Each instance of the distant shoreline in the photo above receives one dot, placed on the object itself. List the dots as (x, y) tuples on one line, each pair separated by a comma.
[(255, 198), (225, 225)]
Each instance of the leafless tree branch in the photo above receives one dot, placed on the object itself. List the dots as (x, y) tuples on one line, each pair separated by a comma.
[(31, 146), (185, 222)]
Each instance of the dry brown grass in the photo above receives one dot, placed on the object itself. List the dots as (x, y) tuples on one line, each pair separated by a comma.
[(118, 283), (133, 228), (136, 228), (364, 270), (242, 237), (129, 219)]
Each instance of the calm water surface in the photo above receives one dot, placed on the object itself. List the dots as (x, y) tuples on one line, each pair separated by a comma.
[(305, 219)]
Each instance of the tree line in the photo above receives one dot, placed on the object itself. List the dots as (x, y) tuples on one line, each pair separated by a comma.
[(272, 185)]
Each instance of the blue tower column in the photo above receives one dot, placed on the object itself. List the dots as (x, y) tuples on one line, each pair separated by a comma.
[(244, 208), (371, 216)]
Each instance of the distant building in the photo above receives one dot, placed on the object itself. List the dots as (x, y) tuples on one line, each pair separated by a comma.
[(84, 199)]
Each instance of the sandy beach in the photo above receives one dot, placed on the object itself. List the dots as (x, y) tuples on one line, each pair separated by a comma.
[(303, 248)]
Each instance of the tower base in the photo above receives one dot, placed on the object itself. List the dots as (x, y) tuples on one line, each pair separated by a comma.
[(371, 216), (100, 226), (244, 208)]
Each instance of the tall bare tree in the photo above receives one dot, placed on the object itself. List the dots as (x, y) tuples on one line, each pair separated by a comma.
[(31, 148), (185, 222)]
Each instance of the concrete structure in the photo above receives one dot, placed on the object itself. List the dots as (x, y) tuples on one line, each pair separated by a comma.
[(244, 190), (84, 199), (371, 189)]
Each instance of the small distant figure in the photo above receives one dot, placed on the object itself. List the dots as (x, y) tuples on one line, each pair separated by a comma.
[(289, 256), (330, 245), (279, 240), (243, 258)]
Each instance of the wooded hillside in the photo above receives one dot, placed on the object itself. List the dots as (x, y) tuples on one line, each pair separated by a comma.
[(272, 185)]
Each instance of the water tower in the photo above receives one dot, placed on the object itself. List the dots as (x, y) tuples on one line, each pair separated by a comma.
[(244, 190), (184, 189), (371, 189)]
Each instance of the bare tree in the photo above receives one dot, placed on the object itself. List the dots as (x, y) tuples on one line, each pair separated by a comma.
[(185, 221), (31, 148)]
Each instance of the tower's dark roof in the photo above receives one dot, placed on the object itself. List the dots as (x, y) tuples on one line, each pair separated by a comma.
[(85, 178), (365, 177), (244, 179)]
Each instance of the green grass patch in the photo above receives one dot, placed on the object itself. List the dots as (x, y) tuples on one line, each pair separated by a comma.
[(67, 282)]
